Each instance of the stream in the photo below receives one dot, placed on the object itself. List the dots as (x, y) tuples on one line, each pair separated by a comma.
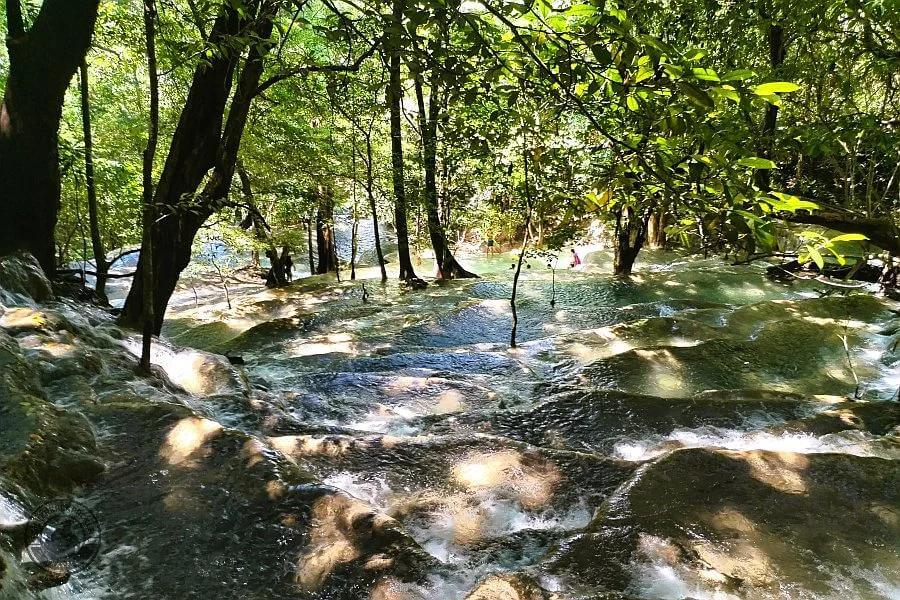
[(696, 431)]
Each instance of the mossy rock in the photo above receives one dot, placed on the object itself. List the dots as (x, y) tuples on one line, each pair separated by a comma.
[(22, 280)]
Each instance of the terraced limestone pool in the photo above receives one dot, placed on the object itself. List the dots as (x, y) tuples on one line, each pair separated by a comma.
[(693, 432)]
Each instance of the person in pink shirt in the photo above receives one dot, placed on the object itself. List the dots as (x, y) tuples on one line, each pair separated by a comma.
[(576, 261)]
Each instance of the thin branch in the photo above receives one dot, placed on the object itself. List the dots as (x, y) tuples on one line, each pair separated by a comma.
[(335, 68)]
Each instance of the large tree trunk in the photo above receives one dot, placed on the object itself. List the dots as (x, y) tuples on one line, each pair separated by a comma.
[(447, 266), (395, 97), (100, 263), (42, 62), (198, 145), (630, 235), (325, 245)]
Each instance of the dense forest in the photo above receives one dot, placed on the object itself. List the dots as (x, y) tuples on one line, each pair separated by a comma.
[(457, 299)]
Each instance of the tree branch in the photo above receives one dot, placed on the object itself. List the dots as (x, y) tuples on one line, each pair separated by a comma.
[(351, 68)]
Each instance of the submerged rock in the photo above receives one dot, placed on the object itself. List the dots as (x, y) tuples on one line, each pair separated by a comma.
[(746, 523), (509, 587)]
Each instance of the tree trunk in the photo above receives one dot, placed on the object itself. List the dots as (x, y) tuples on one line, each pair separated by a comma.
[(395, 97), (325, 246), (370, 192), (447, 266), (199, 145), (309, 245), (515, 285), (100, 263), (42, 62), (656, 229), (149, 214), (276, 276), (354, 231), (777, 50), (630, 235)]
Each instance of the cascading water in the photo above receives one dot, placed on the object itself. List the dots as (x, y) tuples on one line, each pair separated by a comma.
[(684, 433)]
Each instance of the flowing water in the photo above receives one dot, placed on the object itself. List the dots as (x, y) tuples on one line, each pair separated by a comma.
[(693, 432)]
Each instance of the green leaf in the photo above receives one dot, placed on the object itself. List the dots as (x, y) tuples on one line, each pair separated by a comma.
[(790, 202), (816, 256), (849, 237), (631, 103), (581, 10), (756, 162), (775, 87), (738, 75), (706, 74), (696, 94), (694, 54), (728, 92)]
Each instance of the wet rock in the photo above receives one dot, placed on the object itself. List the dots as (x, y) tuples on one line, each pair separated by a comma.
[(22, 281), (596, 421), (42, 447), (746, 522), (24, 319), (197, 372), (509, 587), (349, 541), (46, 578), (211, 337), (878, 418)]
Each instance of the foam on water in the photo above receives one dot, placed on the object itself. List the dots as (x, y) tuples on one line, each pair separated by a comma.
[(856, 443)]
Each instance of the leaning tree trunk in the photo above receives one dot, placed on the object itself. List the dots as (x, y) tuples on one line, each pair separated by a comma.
[(276, 276), (630, 235), (325, 244), (42, 62), (370, 192), (100, 263), (447, 266), (199, 145), (395, 97)]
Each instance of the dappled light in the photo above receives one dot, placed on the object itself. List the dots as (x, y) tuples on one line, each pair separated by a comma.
[(432, 300), (185, 444), (530, 482), (339, 526)]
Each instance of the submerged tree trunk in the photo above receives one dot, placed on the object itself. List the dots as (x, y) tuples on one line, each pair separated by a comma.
[(100, 263), (42, 62), (447, 266), (325, 244), (199, 145), (630, 235), (149, 214), (395, 97)]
